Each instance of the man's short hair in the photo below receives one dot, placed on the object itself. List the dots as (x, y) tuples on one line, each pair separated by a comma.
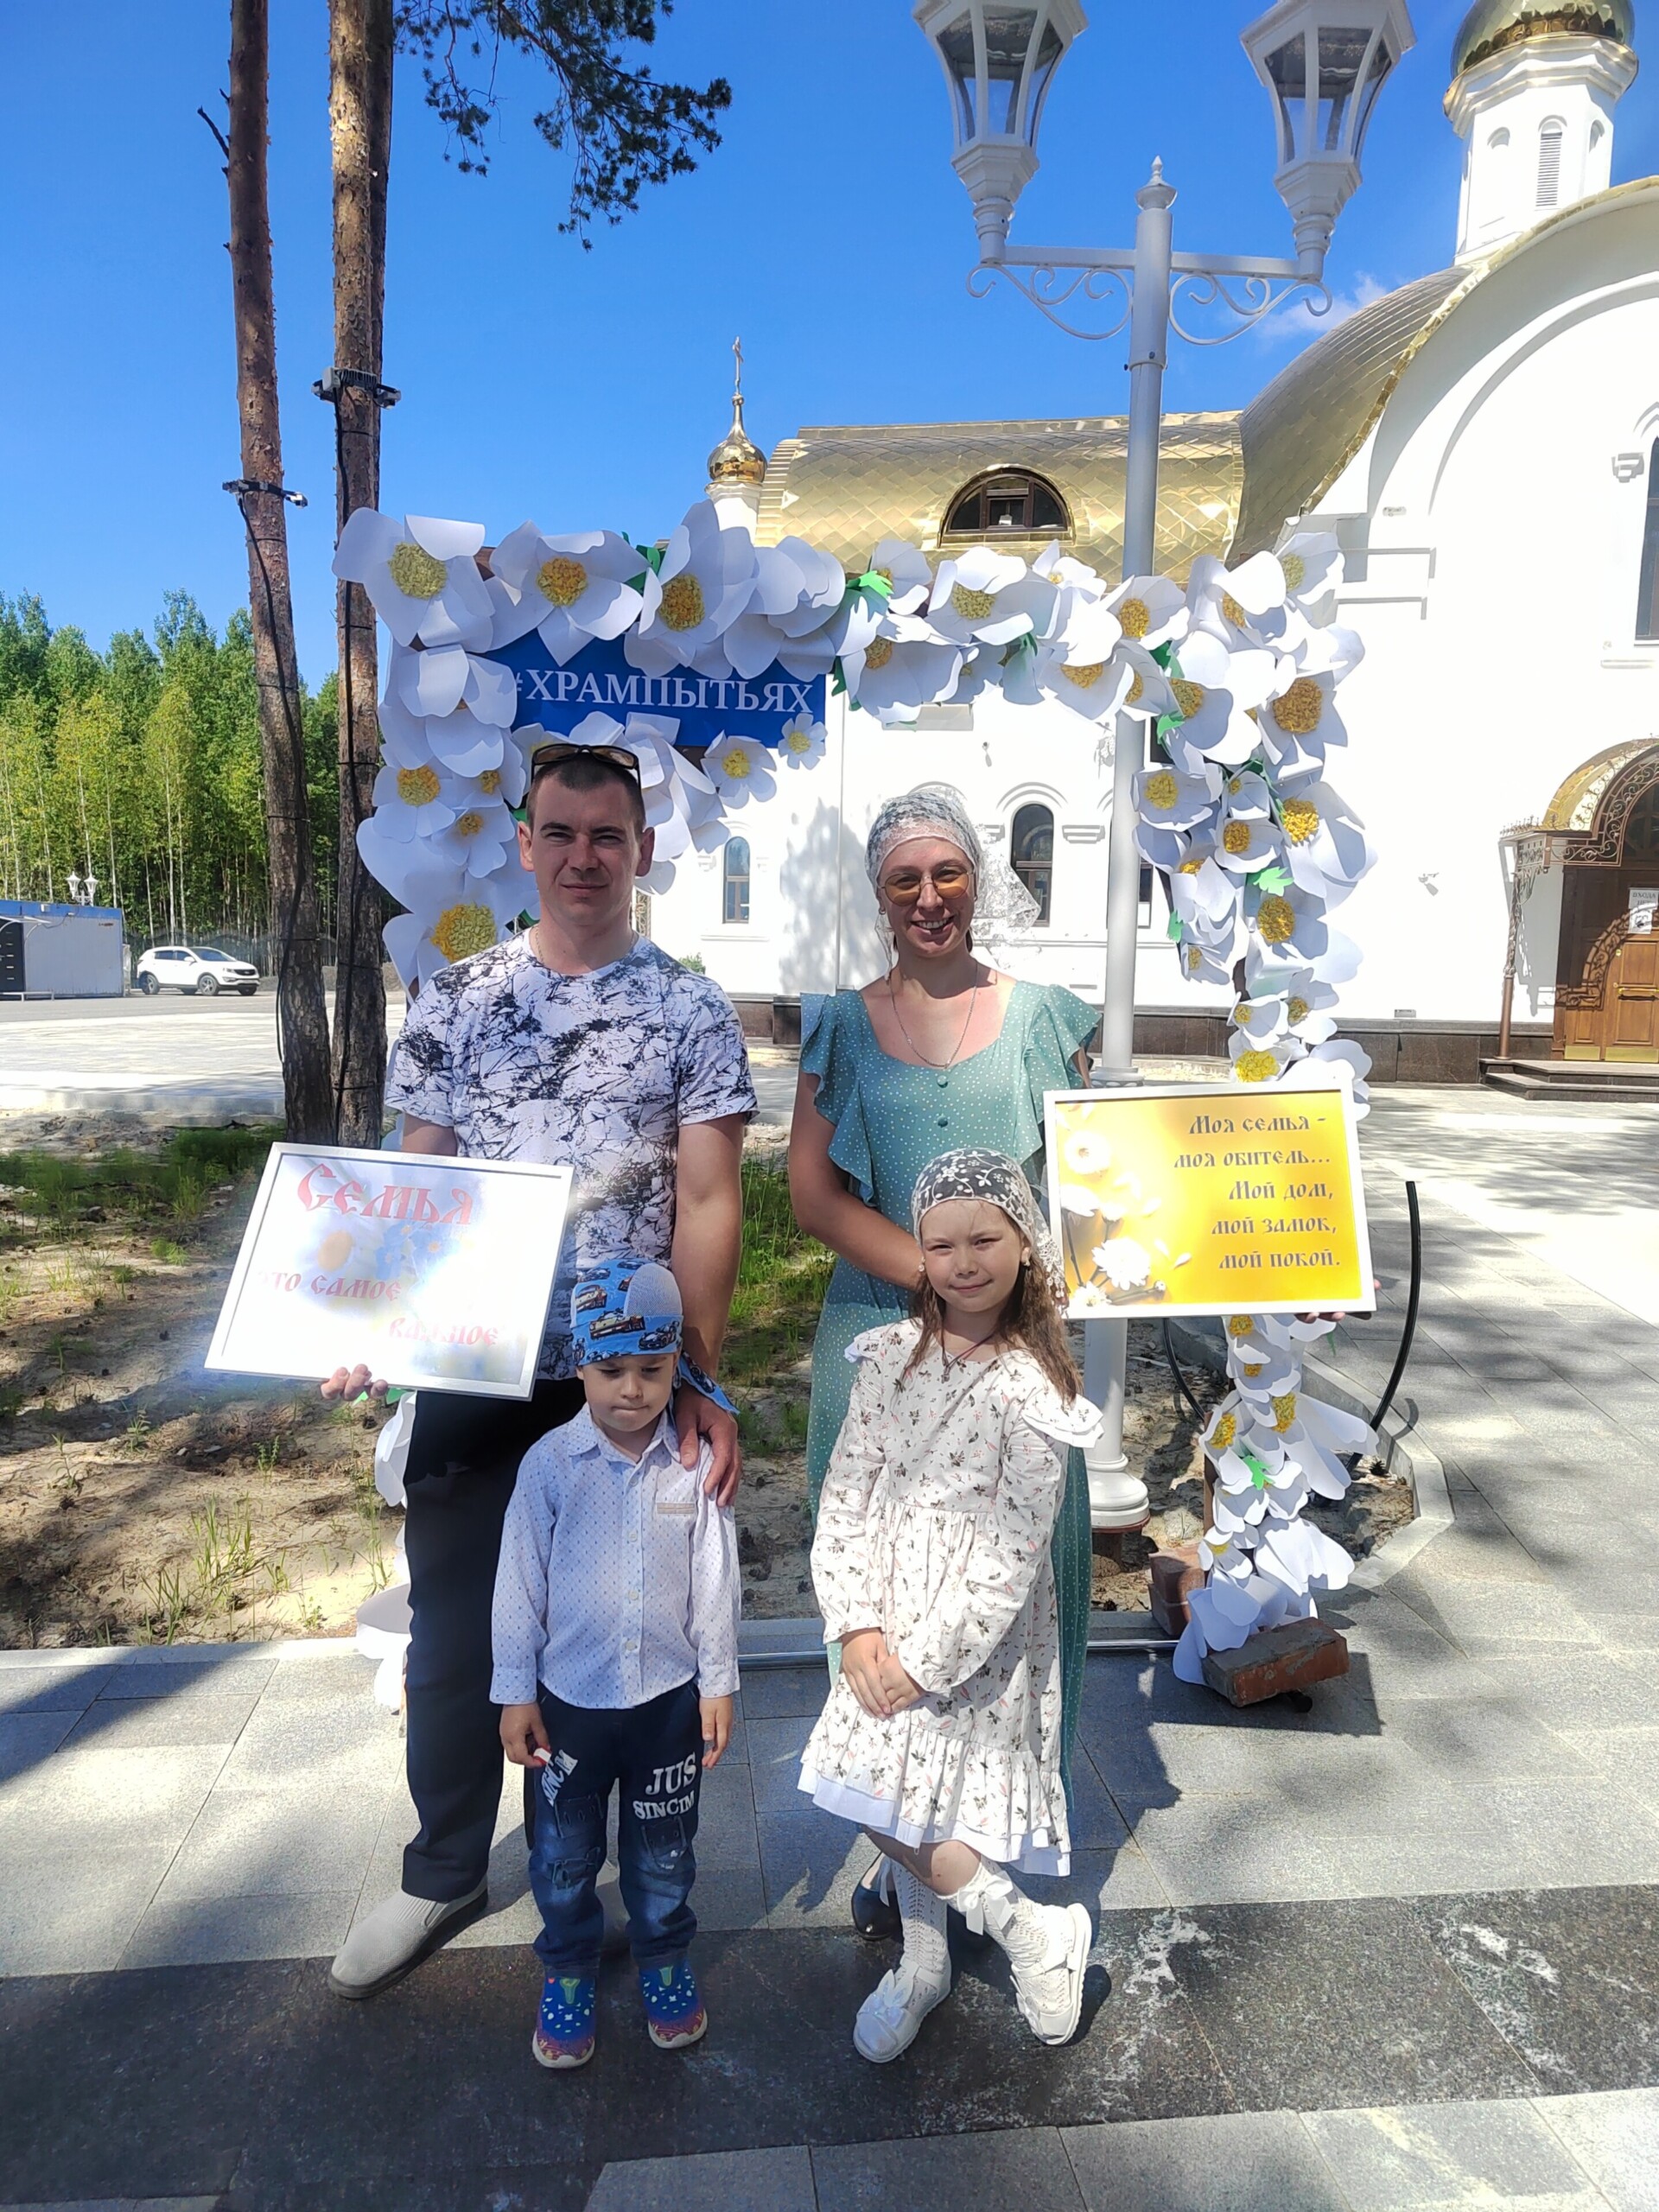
[(588, 772)]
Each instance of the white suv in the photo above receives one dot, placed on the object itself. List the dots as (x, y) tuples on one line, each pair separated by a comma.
[(202, 968)]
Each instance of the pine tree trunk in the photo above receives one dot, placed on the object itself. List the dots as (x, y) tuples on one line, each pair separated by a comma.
[(361, 39), (302, 1011)]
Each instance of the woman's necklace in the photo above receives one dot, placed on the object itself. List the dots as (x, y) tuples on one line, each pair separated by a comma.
[(940, 1067)]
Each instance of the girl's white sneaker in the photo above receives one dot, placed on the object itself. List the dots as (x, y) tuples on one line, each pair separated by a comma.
[(1048, 1948), (891, 2017)]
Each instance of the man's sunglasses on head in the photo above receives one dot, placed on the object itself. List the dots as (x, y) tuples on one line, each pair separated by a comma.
[(616, 756)]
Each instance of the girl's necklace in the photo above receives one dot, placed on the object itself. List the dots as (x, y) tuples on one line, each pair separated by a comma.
[(973, 1000)]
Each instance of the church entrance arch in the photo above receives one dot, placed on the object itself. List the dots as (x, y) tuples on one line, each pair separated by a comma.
[(1607, 971)]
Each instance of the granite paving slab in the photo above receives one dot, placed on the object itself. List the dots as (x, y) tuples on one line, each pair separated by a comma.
[(1616, 2139), (1224, 2162), (719, 2181), (971, 2173), (1411, 2160)]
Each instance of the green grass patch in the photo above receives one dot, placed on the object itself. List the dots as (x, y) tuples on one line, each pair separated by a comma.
[(131, 1188), (780, 1283)]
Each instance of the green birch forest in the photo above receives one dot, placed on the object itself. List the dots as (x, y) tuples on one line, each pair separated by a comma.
[(141, 766)]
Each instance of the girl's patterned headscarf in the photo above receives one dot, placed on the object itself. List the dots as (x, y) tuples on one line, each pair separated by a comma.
[(1001, 901), (992, 1176)]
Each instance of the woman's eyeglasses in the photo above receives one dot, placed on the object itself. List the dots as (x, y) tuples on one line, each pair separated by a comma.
[(615, 756), (903, 886)]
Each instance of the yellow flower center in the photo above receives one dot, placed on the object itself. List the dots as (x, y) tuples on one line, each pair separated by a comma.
[(1191, 866), (1233, 610), (1242, 1012), (878, 652), (1088, 676), (461, 931), (1161, 789), (417, 786), (1300, 818), (1135, 690), (1225, 1430), (416, 573), (1236, 837), (563, 580), (1240, 1324), (682, 603), (736, 764), (1284, 1411), (469, 825), (799, 740), (490, 782), (886, 575), (1134, 618), (1256, 1067), (1295, 570), (1194, 959), (1249, 1373), (1276, 918), (1189, 697), (1297, 1009), (972, 606), (1298, 711)]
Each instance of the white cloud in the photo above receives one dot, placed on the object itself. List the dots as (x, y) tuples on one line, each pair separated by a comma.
[(1296, 324)]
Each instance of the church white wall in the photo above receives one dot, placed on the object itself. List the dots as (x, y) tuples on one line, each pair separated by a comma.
[(813, 922), (1538, 123), (1497, 595)]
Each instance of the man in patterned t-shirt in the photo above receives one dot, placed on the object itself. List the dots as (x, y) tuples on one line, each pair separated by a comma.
[(581, 1043)]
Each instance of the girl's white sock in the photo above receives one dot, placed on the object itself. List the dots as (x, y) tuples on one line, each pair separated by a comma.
[(927, 1955), (1004, 1908)]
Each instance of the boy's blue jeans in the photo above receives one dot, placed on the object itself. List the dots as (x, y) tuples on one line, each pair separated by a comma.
[(654, 1752)]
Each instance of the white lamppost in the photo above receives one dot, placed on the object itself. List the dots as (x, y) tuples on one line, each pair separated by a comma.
[(1323, 63)]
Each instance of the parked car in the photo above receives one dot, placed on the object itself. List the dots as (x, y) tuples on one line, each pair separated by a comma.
[(202, 968)]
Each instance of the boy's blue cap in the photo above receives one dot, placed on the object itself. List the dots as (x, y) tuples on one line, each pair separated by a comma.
[(628, 1305)]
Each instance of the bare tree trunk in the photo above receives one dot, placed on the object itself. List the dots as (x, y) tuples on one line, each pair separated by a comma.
[(301, 1010), (360, 40)]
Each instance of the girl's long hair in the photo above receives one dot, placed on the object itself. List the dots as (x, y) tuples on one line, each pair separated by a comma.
[(1032, 1319)]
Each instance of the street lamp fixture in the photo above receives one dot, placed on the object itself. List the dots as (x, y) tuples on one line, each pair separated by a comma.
[(1324, 63), (999, 61)]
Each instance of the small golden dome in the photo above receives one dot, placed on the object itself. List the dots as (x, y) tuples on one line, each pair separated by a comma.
[(737, 459), (1492, 25)]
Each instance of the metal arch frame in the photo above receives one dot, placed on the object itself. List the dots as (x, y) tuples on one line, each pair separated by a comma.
[(1250, 289)]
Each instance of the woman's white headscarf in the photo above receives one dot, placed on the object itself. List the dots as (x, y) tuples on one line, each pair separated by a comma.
[(1001, 901)]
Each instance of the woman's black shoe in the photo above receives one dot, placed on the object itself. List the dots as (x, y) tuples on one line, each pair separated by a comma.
[(875, 1909)]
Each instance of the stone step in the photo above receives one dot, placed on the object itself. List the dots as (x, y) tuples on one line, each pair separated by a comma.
[(1574, 1080)]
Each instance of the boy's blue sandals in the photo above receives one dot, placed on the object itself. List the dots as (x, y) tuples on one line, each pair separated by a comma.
[(674, 2010), (564, 2032)]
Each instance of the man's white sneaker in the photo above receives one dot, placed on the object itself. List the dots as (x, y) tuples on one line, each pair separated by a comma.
[(1048, 1948), (891, 2017), (392, 1940)]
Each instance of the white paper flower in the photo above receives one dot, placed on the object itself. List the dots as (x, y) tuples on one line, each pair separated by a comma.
[(801, 742), (1150, 610), (1214, 723), (1310, 565), (416, 801), (1239, 606), (906, 570), (705, 582), (1201, 892), (450, 916), (1148, 696), (973, 599), (904, 667), (433, 684), (1080, 665), (739, 769), (1173, 801), (480, 839), (1262, 1063), (569, 590), (420, 575), (1299, 724), (1325, 842)]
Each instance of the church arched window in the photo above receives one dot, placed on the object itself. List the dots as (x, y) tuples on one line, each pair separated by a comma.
[(1031, 854), (1551, 134), (735, 876), (1013, 502), (1647, 598)]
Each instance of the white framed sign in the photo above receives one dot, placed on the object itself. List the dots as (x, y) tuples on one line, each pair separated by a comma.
[(432, 1272)]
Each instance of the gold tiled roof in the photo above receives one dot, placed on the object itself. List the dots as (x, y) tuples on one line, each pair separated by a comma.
[(1302, 432), (1492, 25), (845, 487), (1575, 804)]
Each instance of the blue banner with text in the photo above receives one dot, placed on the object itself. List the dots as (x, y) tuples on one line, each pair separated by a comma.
[(600, 680)]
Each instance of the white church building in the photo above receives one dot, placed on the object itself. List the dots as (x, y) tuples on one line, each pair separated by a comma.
[(1485, 443)]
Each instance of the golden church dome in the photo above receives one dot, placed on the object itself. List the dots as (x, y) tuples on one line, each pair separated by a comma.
[(1491, 25), (737, 459)]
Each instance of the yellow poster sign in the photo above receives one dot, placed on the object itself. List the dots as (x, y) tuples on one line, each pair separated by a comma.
[(1219, 1198)]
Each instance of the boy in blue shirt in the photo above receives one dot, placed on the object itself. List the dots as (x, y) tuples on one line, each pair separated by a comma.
[(615, 1639)]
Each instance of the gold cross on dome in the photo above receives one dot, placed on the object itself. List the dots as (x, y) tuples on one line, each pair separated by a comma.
[(737, 369)]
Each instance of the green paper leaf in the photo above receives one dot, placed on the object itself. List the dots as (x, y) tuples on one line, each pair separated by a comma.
[(838, 678), (872, 581), (1271, 878), (1163, 654), (1173, 932)]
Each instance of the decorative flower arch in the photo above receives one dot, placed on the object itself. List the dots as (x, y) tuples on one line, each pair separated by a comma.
[(711, 658)]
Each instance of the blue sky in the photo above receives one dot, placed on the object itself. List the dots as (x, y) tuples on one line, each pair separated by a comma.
[(586, 389)]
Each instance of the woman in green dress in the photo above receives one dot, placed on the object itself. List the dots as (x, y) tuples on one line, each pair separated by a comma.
[(941, 1051)]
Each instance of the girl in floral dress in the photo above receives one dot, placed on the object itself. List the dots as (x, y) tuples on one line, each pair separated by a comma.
[(941, 1737)]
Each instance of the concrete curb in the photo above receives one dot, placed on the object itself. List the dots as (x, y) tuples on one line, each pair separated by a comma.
[(289, 1651)]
